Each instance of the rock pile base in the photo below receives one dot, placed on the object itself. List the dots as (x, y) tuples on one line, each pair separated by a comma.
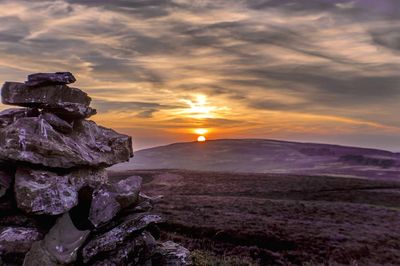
[(57, 204)]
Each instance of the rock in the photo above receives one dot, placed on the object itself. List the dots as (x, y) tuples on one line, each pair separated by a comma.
[(17, 240), (15, 93), (137, 251), (71, 111), (39, 256), (110, 198), (34, 140), (104, 207), (11, 115), (40, 79), (171, 254), (116, 237), (45, 192), (5, 181), (57, 123), (60, 245)]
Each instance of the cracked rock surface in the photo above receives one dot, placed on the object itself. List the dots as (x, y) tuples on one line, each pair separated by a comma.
[(57, 204)]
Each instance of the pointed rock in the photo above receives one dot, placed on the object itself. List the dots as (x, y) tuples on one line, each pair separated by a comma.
[(57, 123), (109, 199), (40, 79)]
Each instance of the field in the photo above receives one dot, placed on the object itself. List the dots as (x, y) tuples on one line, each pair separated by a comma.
[(276, 219)]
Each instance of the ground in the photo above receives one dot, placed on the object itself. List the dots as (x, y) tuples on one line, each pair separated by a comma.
[(271, 219)]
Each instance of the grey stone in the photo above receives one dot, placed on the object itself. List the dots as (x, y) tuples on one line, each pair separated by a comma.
[(60, 245), (71, 111), (11, 115), (110, 198), (57, 123), (136, 251), (117, 236), (17, 240), (34, 140), (40, 79), (171, 254), (15, 93), (45, 192)]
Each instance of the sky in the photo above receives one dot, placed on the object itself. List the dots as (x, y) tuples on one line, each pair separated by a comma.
[(160, 70)]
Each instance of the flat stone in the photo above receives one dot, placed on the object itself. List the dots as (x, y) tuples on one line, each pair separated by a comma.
[(70, 111), (110, 198), (41, 79), (57, 123), (45, 192), (34, 140), (15, 93), (171, 254), (17, 240), (110, 241), (11, 115)]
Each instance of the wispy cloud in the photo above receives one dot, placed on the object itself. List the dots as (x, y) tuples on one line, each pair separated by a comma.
[(268, 68)]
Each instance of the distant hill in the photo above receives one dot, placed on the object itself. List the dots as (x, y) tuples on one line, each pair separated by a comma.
[(268, 156)]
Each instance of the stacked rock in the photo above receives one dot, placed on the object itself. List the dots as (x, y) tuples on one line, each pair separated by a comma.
[(57, 204)]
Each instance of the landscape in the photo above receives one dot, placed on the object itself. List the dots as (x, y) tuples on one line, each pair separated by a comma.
[(200, 133), (332, 205)]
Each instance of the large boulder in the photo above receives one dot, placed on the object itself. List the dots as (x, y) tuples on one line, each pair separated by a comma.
[(71, 103), (34, 140), (110, 198), (41, 79), (117, 237), (46, 192)]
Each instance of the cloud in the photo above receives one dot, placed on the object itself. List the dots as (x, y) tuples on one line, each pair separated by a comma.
[(257, 61)]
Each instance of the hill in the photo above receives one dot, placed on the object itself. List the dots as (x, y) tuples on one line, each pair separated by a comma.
[(268, 156)]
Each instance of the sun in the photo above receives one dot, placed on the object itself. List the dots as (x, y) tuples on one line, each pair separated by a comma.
[(201, 139)]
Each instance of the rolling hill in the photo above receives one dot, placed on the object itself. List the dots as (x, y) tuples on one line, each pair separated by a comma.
[(268, 156)]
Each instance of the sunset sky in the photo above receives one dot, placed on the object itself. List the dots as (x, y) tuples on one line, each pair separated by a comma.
[(312, 70)]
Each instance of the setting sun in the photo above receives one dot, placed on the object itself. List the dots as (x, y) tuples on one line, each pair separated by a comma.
[(201, 139)]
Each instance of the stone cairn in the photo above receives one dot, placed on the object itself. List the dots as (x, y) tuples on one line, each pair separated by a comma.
[(57, 204)]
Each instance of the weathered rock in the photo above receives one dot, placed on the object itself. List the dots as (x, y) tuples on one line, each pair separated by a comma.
[(15, 93), (35, 141), (171, 254), (11, 115), (57, 123), (110, 198), (39, 256), (41, 79), (17, 240), (45, 192), (70, 111), (137, 251), (60, 245), (116, 237)]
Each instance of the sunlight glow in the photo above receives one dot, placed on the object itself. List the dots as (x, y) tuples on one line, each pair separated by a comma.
[(200, 131), (199, 107), (201, 139)]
